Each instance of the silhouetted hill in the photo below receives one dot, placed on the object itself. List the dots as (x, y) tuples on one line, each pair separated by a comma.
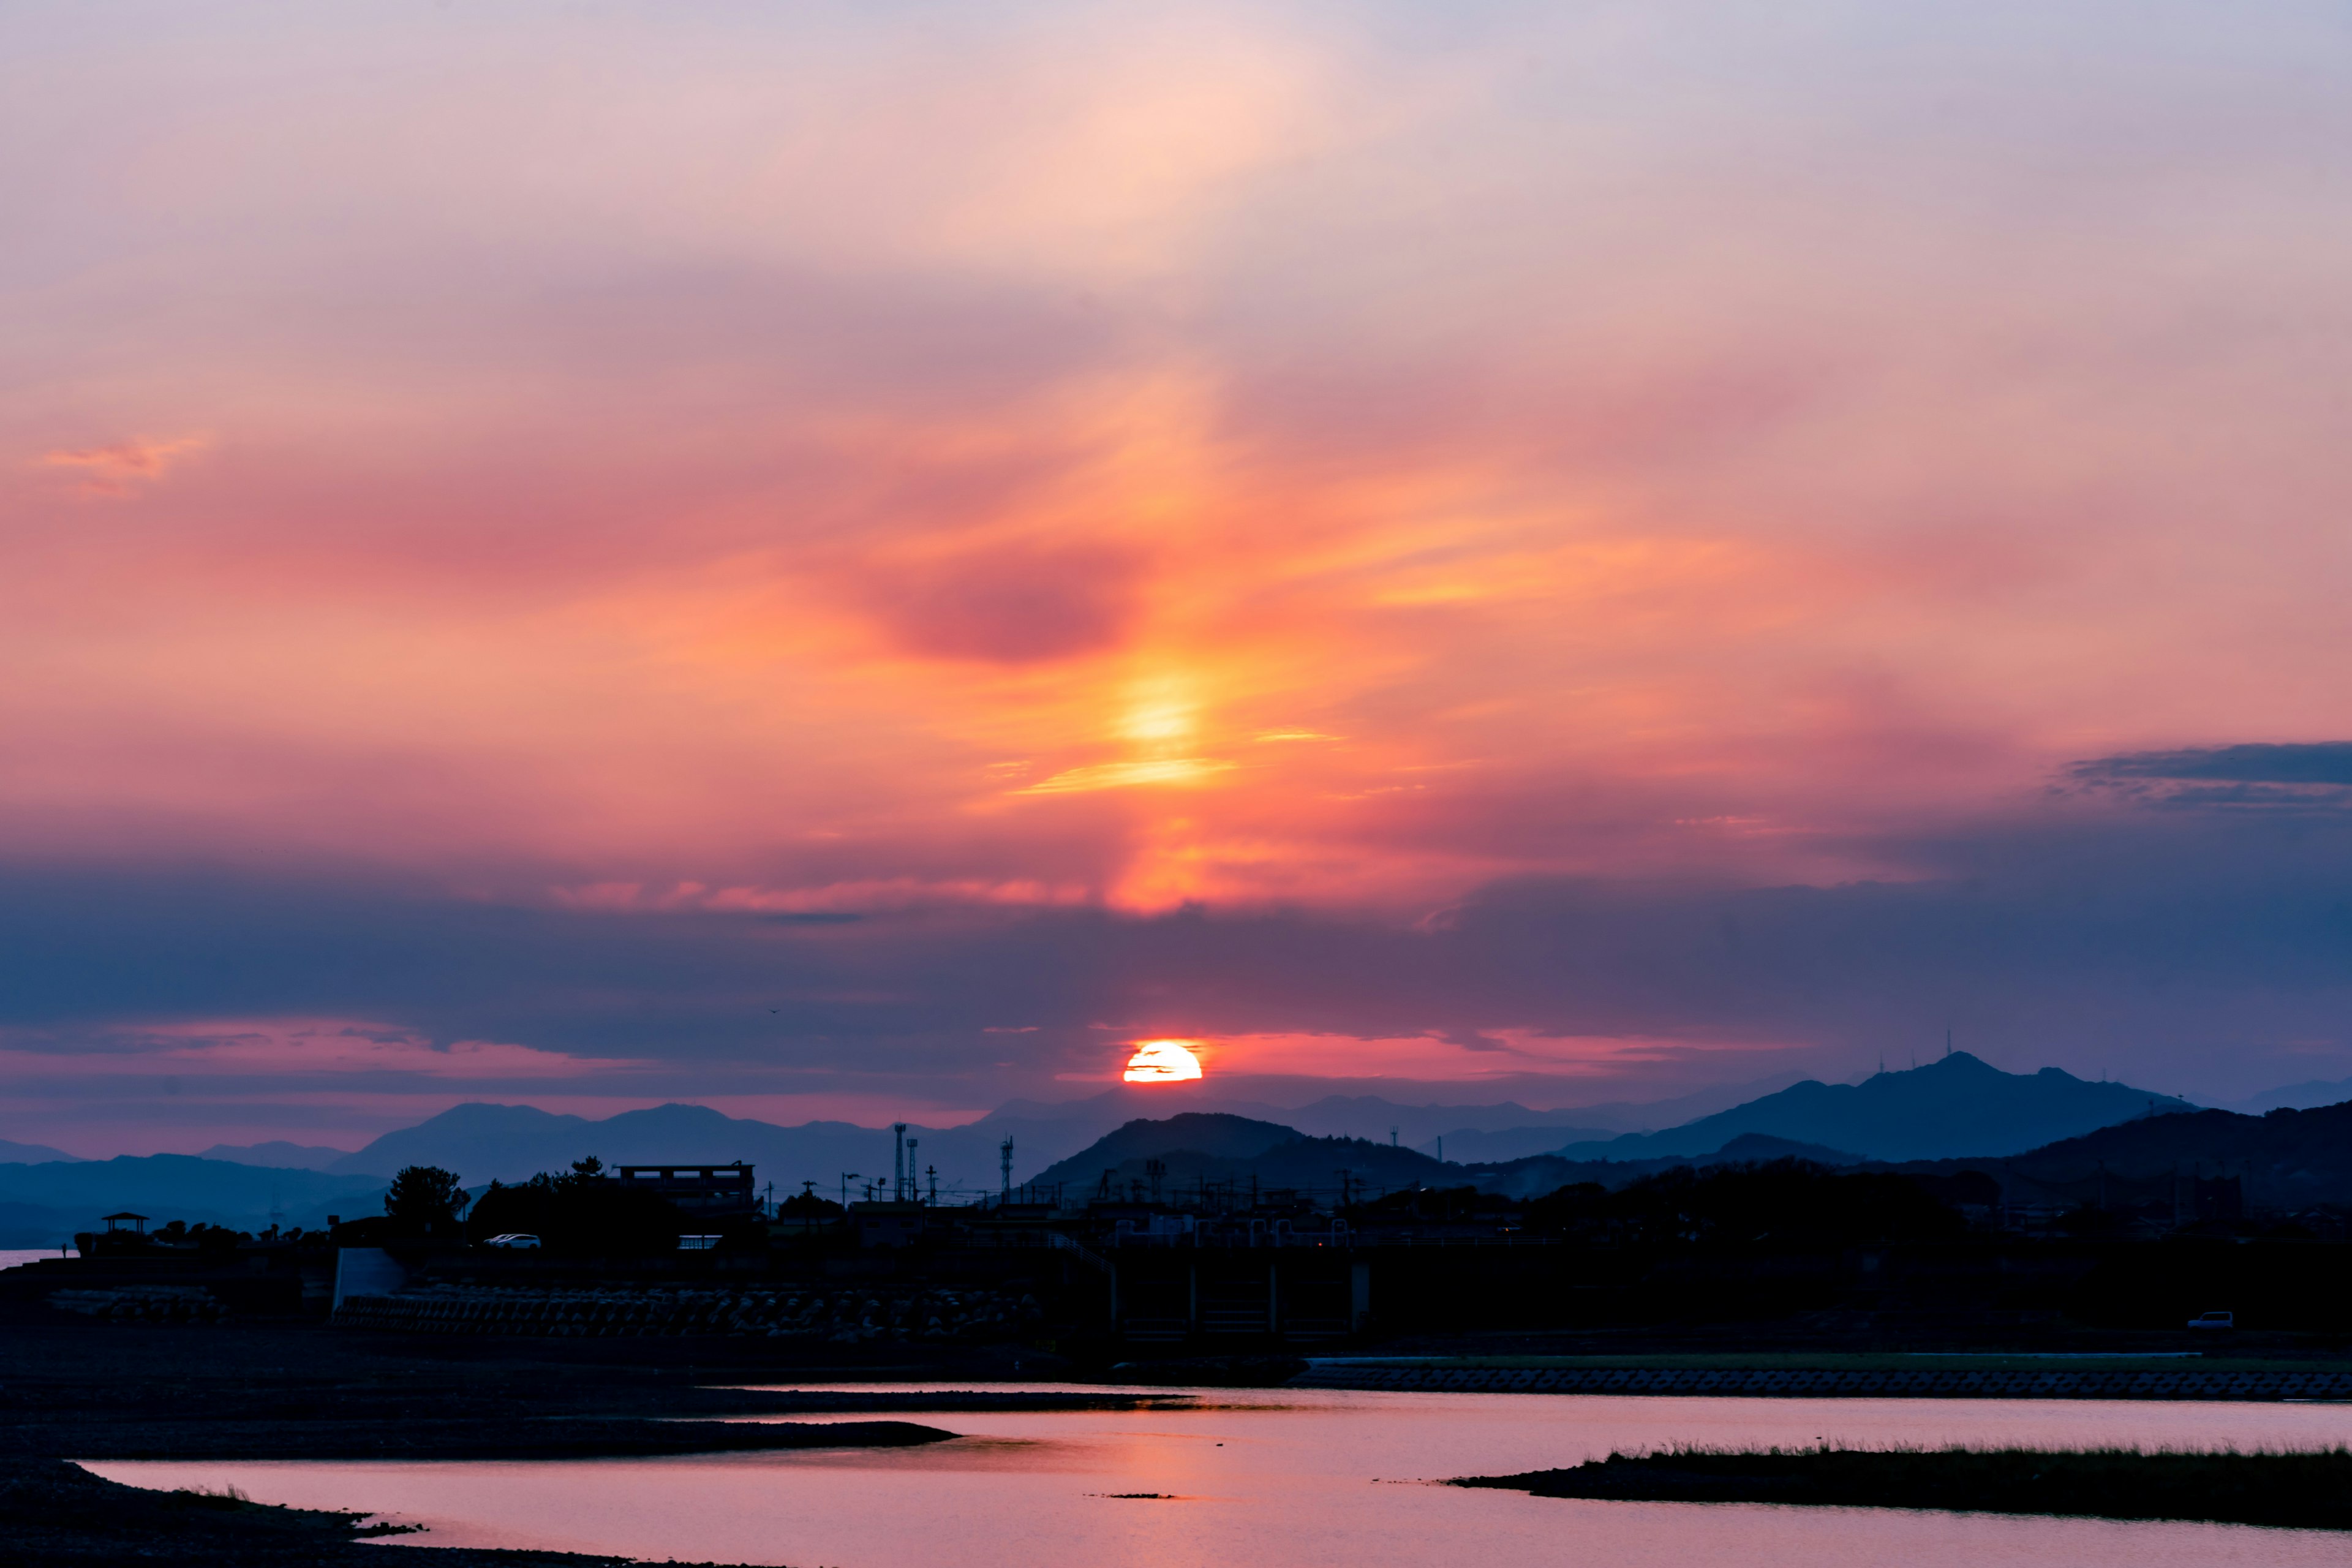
[(2286, 1159), (73, 1195), (1762, 1146), (1197, 1147), (2306, 1095), (1212, 1135), (1956, 1106), (277, 1156), (513, 1142), (31, 1154)]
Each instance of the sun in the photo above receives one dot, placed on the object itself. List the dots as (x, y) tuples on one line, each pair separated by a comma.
[(1162, 1061)]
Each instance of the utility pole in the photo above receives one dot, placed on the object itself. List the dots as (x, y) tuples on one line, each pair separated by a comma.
[(846, 1177), (934, 1172), (898, 1159)]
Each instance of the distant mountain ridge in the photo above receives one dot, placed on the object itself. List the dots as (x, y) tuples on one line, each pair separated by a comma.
[(279, 1155), (2307, 1096), (1195, 1147), (1958, 1105), (510, 1142), (2285, 1159), (42, 1205)]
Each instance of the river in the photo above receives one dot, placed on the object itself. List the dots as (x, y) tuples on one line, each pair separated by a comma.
[(1295, 1478)]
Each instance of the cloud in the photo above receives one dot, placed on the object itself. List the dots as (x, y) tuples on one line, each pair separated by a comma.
[(125, 466), (2200, 953), (1127, 775), (314, 1052), (2304, 776), (1009, 605)]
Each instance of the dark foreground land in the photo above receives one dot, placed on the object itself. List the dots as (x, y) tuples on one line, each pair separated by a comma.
[(2303, 1491), (52, 1512)]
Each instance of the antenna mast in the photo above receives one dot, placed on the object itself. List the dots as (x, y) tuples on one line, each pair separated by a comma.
[(1005, 1168)]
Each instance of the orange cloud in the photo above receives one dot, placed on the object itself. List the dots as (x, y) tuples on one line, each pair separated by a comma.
[(125, 466)]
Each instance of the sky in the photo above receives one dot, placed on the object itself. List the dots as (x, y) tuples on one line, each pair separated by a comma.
[(854, 560)]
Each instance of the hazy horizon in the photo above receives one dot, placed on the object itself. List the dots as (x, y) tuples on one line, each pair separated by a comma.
[(1276, 1095)]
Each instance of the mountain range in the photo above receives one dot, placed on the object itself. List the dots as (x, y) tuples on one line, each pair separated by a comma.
[(44, 1204), (1957, 1105), (1953, 1107), (2285, 1159)]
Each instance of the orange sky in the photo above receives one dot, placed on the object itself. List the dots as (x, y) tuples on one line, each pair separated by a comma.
[(1051, 459)]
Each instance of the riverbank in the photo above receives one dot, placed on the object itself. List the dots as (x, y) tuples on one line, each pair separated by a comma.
[(58, 1516), (2308, 1491), (73, 1390)]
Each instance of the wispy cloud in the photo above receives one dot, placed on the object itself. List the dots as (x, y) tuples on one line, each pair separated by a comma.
[(123, 467), (2263, 776)]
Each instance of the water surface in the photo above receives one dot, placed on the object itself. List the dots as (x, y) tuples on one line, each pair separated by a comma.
[(16, 1257), (1299, 1478)]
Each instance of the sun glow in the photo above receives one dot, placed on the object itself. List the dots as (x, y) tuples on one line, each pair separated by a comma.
[(1162, 1061)]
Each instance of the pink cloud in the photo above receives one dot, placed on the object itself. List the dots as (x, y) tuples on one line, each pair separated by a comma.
[(123, 467)]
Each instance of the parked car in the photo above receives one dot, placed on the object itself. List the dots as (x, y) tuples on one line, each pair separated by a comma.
[(513, 1239), (2214, 1321)]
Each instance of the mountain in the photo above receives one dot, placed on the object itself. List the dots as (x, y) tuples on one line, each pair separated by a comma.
[(2296, 1097), (1194, 1147), (1369, 1117), (1534, 1176), (1213, 1134), (32, 1154), (513, 1142), (1469, 1146), (74, 1195), (277, 1156), (27, 1225), (1649, 1115), (1955, 1106), (2285, 1159)]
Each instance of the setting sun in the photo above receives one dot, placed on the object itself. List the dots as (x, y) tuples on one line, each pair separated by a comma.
[(1162, 1061)]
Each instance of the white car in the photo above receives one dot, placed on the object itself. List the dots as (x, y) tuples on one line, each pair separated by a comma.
[(2214, 1321), (513, 1239)]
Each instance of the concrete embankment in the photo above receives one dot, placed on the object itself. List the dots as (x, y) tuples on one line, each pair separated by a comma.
[(830, 1316), (1923, 1384)]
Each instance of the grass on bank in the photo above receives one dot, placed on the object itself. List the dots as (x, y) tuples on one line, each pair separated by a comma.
[(2302, 1490), (1864, 1361)]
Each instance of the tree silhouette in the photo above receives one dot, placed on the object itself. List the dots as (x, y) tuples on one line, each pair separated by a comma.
[(424, 1197)]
